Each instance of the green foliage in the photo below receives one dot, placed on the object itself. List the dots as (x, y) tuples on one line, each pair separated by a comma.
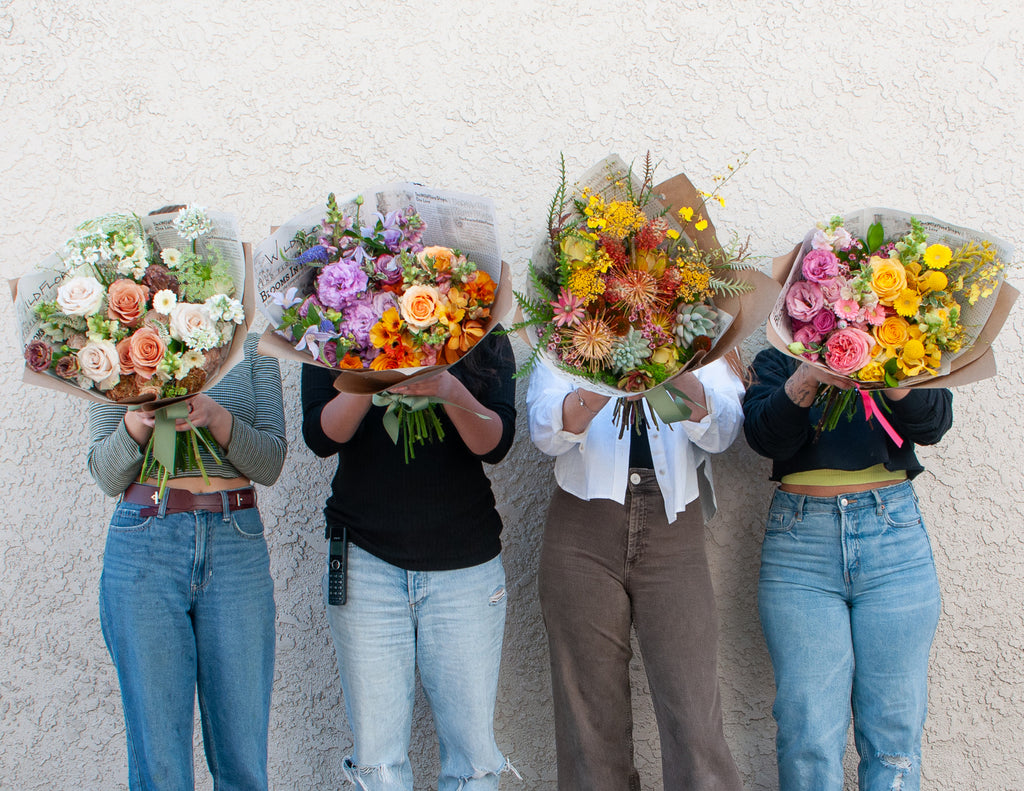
[(875, 238), (730, 286)]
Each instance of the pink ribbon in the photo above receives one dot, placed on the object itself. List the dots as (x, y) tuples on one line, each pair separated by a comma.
[(871, 410)]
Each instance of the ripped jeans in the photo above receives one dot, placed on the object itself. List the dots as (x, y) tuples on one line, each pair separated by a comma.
[(849, 604), (450, 625)]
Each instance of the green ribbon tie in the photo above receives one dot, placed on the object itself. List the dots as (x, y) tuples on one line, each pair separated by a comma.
[(669, 403)]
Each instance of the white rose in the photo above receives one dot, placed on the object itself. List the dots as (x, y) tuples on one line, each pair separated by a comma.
[(80, 296), (99, 362), (187, 319)]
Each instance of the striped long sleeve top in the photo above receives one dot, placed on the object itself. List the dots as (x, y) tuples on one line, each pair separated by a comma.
[(251, 392)]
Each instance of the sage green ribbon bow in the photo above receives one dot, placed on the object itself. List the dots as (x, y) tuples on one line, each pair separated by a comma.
[(669, 403), (164, 433), (411, 403)]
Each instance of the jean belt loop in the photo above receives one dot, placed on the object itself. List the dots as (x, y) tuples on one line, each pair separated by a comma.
[(801, 500), (162, 506), (879, 502), (225, 506)]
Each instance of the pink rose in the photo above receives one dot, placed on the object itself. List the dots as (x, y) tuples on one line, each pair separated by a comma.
[(824, 321), (832, 288), (847, 351), (808, 336), (820, 265), (804, 300)]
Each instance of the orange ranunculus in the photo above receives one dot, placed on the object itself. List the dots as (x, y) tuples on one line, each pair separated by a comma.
[(420, 306), (480, 288), (893, 332), (442, 257), (125, 355), (147, 350), (888, 278), (351, 362), (126, 302)]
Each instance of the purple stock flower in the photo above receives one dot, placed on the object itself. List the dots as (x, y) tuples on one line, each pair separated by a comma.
[(342, 283)]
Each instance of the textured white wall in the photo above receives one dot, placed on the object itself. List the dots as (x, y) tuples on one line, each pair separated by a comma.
[(260, 108)]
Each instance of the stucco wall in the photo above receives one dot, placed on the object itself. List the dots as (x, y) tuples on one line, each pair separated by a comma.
[(260, 108)]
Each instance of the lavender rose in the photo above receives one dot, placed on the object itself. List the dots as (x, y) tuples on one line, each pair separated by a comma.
[(820, 265), (804, 300), (38, 355)]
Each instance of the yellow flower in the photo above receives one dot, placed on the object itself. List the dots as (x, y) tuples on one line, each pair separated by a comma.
[(577, 248), (912, 358), (872, 372), (888, 278), (686, 213), (907, 303), (892, 333), (672, 233), (586, 284), (700, 226), (937, 256), (933, 281)]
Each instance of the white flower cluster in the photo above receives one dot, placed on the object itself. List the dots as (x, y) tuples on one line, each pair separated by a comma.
[(92, 248), (224, 308), (192, 223)]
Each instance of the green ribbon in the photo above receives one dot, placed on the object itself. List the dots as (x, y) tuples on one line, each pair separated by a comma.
[(164, 433), (670, 403), (412, 403), (392, 401)]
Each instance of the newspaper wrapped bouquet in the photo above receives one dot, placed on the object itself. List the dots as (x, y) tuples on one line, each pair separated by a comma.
[(404, 288), (139, 311), (634, 289), (887, 299)]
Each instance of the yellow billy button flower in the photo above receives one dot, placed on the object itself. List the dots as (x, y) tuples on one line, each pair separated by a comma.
[(937, 256), (933, 281), (912, 358)]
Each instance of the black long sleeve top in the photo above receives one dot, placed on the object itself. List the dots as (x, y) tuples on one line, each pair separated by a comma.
[(784, 432), (436, 512)]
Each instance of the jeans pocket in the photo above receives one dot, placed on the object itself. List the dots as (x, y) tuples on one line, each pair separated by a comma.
[(902, 513), (127, 519), (247, 523), (780, 520)]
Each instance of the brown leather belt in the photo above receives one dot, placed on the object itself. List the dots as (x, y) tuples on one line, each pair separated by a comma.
[(179, 500)]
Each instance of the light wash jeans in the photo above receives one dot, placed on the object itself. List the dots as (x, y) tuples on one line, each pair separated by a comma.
[(450, 625), (187, 602), (849, 604)]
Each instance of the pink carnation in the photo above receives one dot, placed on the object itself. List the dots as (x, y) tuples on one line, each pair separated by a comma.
[(820, 265), (848, 350), (804, 300)]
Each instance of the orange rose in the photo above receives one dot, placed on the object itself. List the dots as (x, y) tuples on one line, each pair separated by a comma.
[(888, 278), (126, 302), (442, 256), (893, 332), (125, 355), (420, 306), (147, 350)]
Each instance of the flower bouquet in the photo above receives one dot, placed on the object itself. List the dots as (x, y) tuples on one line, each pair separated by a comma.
[(887, 299), (633, 288), (382, 295), (140, 311)]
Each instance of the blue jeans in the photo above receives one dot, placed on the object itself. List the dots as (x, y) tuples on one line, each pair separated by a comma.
[(849, 604), (450, 625), (187, 603)]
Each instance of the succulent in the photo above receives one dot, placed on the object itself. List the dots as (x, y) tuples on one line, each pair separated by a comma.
[(629, 351), (692, 321)]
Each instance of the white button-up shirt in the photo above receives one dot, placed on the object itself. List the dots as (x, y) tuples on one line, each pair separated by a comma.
[(595, 464)]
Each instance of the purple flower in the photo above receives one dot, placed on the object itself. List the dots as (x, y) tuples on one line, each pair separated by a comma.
[(820, 265), (387, 269), (38, 355), (67, 366), (803, 300), (341, 283), (359, 317), (315, 335), (317, 254)]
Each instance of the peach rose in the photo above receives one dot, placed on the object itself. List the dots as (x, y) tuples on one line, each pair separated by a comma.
[(147, 350), (888, 278), (98, 361), (124, 355), (126, 302), (442, 256), (420, 306)]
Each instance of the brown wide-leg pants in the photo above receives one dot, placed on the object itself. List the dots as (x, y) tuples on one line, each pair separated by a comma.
[(604, 568)]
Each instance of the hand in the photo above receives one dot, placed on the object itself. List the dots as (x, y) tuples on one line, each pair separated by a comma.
[(802, 386), (442, 386), (204, 412)]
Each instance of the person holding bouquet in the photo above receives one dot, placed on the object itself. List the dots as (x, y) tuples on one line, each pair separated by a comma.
[(418, 546), (848, 595), (186, 596), (624, 549)]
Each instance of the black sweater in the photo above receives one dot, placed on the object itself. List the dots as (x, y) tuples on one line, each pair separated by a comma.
[(436, 512), (784, 432)]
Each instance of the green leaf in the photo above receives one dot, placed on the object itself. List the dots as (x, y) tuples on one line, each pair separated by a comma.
[(875, 237)]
